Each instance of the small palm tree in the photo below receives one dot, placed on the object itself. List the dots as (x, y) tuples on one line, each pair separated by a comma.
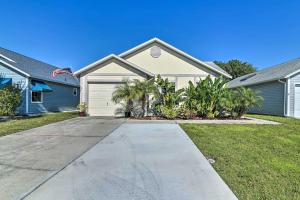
[(125, 94), (142, 90), (245, 99)]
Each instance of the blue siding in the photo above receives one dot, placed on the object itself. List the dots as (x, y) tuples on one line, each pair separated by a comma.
[(293, 80), (273, 94), (61, 99), (17, 78)]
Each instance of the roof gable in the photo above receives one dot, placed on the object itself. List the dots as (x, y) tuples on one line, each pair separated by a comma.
[(208, 65), (130, 65)]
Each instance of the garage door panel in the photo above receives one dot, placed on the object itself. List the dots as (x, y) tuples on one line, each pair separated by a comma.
[(99, 99)]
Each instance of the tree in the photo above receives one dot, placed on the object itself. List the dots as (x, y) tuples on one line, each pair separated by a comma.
[(236, 68), (142, 90), (125, 94)]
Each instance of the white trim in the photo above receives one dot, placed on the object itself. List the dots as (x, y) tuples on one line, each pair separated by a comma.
[(42, 98), (174, 49), (18, 70), (27, 96), (112, 56), (1, 55), (291, 74), (284, 98), (295, 83), (288, 97)]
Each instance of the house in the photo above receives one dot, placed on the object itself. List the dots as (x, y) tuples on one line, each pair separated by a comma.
[(278, 85), (154, 57), (40, 91)]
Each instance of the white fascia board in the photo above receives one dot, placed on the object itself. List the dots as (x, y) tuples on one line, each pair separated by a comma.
[(14, 68), (174, 49), (291, 74), (111, 56), (90, 66)]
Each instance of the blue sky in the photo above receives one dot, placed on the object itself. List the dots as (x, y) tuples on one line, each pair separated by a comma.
[(76, 33)]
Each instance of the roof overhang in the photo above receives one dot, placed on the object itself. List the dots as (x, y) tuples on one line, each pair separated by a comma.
[(112, 56), (156, 40), (14, 68)]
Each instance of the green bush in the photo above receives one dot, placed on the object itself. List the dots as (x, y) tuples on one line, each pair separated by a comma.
[(186, 113), (165, 95), (10, 100), (169, 112), (243, 99)]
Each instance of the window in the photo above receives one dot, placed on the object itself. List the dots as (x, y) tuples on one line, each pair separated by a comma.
[(36, 97), (75, 91)]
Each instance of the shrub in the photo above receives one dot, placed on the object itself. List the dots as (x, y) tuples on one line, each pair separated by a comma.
[(165, 95), (10, 100), (186, 113), (169, 112), (243, 99)]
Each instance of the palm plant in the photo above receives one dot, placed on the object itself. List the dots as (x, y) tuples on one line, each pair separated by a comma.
[(209, 94), (125, 94), (165, 95), (143, 89), (244, 99)]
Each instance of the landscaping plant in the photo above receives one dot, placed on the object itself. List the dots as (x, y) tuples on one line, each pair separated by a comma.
[(209, 98), (166, 98), (142, 91), (125, 94), (10, 100)]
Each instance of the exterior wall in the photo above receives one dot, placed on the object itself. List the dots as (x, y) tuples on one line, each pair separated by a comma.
[(273, 94), (61, 99), (111, 71), (293, 80), (170, 64), (17, 78)]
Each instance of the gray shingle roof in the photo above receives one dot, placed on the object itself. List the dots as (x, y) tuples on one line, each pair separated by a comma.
[(273, 73), (36, 69)]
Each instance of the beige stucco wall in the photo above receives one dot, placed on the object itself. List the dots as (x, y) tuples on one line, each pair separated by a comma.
[(170, 65), (168, 62)]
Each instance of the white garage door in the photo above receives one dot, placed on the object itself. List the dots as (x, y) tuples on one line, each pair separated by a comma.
[(99, 99), (297, 101)]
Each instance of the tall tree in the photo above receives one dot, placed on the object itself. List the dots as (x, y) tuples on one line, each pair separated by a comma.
[(236, 68)]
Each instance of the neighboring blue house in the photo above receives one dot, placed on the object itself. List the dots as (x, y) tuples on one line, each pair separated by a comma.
[(41, 92), (278, 85)]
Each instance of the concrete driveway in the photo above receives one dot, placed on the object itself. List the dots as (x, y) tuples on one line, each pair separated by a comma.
[(138, 161), (30, 157)]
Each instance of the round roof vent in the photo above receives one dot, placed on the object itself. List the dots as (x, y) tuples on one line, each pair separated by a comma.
[(155, 51)]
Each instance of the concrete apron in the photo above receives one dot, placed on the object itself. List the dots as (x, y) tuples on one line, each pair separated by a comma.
[(138, 161)]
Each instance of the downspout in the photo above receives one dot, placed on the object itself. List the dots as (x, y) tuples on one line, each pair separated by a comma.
[(27, 96), (285, 96)]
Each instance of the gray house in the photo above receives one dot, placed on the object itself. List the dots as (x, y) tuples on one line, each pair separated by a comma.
[(278, 85), (41, 92)]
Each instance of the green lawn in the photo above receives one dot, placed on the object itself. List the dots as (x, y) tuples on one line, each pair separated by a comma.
[(14, 126), (256, 161)]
